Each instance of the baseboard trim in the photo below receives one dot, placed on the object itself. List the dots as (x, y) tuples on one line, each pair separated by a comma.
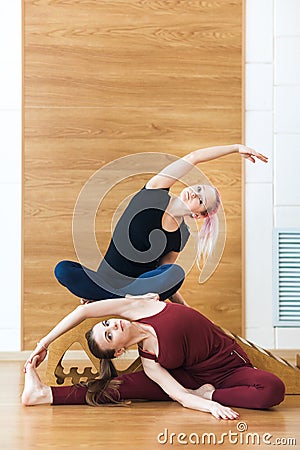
[(74, 355)]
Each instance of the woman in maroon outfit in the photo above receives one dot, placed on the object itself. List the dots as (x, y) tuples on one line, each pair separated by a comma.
[(182, 353)]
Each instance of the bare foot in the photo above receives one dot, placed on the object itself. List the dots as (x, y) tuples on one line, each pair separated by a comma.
[(84, 302), (35, 392), (186, 304), (205, 391), (148, 296)]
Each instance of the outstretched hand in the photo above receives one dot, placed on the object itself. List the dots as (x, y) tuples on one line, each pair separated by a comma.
[(223, 412), (251, 154), (39, 354)]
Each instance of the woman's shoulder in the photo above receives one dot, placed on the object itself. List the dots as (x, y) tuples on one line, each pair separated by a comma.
[(169, 309), (144, 307), (151, 198), (153, 191), (149, 187)]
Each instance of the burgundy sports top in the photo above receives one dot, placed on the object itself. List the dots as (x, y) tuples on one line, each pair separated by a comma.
[(189, 340)]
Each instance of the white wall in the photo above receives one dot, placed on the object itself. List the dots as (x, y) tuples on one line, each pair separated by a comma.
[(10, 172), (272, 191), (272, 127)]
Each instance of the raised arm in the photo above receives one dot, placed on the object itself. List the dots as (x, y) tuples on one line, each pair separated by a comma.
[(174, 171), (128, 307), (184, 396)]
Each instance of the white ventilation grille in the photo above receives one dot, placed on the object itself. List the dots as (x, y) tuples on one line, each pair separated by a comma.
[(286, 277)]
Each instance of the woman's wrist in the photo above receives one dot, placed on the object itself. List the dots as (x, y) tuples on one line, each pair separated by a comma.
[(42, 344), (210, 153), (235, 148)]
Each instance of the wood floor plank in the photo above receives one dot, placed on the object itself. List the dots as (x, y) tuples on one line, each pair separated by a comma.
[(136, 426)]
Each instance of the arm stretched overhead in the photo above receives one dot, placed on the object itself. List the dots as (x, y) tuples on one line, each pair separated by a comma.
[(174, 171), (130, 307)]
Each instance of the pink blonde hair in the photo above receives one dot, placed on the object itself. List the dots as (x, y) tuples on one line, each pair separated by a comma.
[(208, 234)]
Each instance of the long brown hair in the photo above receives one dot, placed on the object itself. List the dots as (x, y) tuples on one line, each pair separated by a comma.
[(103, 389)]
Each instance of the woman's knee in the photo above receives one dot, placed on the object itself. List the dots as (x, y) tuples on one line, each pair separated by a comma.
[(179, 272), (175, 271), (273, 392), (63, 271)]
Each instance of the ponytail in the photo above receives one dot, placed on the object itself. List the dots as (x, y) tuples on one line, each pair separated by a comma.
[(103, 389), (208, 234), (206, 239)]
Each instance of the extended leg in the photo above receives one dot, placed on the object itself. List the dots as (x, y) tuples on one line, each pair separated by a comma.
[(248, 387), (134, 386)]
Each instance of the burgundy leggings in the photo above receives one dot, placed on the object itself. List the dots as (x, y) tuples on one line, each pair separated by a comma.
[(244, 387)]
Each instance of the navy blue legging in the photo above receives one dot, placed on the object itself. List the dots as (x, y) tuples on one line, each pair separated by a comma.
[(165, 280)]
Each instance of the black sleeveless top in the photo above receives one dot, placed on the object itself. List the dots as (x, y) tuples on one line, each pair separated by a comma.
[(139, 241)]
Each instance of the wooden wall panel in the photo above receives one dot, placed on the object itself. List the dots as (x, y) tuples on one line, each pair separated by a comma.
[(105, 79)]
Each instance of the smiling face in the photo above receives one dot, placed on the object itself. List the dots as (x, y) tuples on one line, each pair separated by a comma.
[(113, 334), (199, 198)]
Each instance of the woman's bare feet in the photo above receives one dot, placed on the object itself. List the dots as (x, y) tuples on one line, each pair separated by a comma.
[(205, 391), (35, 392), (84, 302)]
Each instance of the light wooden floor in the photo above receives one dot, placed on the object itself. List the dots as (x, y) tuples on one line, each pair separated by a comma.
[(136, 426)]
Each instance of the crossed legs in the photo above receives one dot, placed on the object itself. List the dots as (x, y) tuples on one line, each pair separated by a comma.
[(89, 285)]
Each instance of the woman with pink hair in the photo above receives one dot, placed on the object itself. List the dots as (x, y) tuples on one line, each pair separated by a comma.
[(151, 232)]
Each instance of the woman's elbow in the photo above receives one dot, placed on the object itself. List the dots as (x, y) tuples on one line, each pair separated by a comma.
[(83, 312), (191, 158)]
